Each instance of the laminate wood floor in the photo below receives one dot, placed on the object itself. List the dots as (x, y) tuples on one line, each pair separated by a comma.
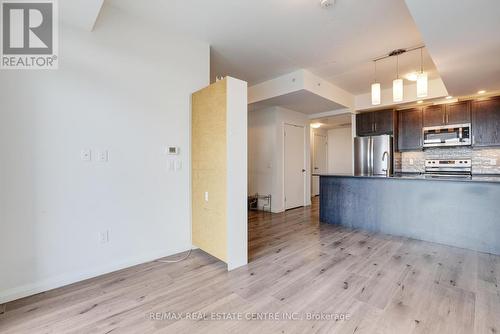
[(380, 283)]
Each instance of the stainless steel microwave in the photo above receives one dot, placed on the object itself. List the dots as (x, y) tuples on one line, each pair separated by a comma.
[(447, 135)]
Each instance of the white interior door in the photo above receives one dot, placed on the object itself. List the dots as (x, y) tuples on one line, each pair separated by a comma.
[(294, 166), (319, 160)]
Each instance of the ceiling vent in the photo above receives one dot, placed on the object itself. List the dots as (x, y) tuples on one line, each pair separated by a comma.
[(326, 3)]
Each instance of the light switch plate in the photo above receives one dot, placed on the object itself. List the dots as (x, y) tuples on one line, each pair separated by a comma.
[(86, 154), (171, 165), (206, 196), (493, 162), (178, 164), (104, 237), (102, 156)]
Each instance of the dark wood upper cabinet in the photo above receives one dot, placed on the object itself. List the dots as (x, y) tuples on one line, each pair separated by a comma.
[(447, 114), (434, 115), (375, 123), (384, 122), (364, 124), (458, 113), (486, 122), (410, 123)]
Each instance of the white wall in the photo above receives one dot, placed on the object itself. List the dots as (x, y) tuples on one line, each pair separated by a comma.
[(261, 150), (299, 80), (315, 179), (340, 143), (237, 219), (266, 153), (124, 88)]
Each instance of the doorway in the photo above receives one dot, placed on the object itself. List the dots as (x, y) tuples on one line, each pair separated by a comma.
[(320, 160), (294, 166)]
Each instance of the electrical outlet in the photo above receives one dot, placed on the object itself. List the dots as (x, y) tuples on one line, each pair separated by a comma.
[(493, 162), (102, 156), (86, 154), (104, 237), (412, 162)]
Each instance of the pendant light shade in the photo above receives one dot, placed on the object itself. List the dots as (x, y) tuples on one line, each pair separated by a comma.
[(422, 85), (397, 90), (397, 85), (375, 93), (375, 87)]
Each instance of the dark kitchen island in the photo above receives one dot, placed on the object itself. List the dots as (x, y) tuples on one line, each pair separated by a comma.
[(457, 212)]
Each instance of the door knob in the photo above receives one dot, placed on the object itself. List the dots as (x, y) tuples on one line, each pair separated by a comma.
[(303, 170)]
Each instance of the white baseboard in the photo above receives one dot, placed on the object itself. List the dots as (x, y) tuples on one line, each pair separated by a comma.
[(70, 278)]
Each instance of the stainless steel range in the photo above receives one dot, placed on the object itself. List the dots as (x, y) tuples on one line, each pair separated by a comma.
[(448, 168)]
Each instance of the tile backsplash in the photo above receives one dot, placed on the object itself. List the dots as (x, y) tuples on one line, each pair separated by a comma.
[(484, 161)]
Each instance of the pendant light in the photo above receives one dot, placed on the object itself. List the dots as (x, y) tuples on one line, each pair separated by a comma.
[(422, 80), (397, 85), (375, 88)]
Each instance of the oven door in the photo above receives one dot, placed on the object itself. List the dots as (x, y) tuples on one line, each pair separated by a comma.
[(450, 135)]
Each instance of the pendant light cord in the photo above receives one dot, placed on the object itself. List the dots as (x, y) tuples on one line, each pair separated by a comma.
[(422, 60), (397, 67)]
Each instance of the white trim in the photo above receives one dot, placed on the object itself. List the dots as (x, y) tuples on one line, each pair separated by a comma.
[(305, 202), (70, 278), (313, 157)]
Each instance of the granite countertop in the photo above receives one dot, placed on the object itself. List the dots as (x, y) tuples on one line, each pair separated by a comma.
[(494, 178)]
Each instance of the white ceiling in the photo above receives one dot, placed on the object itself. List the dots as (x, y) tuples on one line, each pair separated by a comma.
[(259, 40), (301, 101), (463, 38), (80, 13), (334, 122)]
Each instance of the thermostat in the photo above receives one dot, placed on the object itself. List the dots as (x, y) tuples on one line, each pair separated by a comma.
[(173, 150)]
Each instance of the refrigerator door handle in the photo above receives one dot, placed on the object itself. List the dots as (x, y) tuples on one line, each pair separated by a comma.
[(370, 156)]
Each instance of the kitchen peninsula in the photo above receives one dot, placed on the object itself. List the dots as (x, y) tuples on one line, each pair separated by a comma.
[(457, 212)]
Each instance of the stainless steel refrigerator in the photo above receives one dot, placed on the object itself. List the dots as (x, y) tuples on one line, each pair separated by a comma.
[(373, 155)]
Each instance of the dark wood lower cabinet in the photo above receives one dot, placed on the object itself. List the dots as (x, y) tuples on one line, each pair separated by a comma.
[(410, 124), (486, 122)]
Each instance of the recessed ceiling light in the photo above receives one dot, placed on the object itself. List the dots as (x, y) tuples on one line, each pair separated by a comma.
[(481, 92), (315, 125), (420, 102), (449, 97), (411, 76)]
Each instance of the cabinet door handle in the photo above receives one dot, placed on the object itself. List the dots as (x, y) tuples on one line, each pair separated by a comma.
[(444, 119), (447, 118), (473, 140)]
